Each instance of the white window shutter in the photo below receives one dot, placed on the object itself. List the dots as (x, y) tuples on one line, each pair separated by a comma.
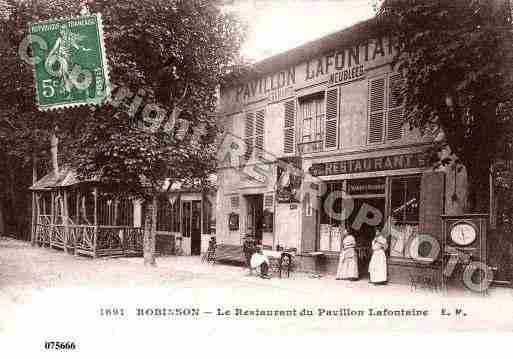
[(331, 123), (377, 110), (260, 130), (288, 132), (395, 108), (249, 131)]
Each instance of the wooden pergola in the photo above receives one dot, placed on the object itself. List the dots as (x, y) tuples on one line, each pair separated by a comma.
[(83, 217)]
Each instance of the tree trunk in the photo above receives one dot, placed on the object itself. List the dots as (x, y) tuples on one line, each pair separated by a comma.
[(2, 223), (150, 225)]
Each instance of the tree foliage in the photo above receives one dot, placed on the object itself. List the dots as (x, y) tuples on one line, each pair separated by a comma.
[(456, 60), (170, 55)]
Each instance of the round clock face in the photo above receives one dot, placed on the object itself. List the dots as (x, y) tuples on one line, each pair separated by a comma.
[(463, 234)]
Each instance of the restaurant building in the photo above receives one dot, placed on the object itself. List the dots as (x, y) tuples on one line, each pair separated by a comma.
[(315, 140)]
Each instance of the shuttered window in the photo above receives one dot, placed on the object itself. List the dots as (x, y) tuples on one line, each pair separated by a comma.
[(249, 131), (395, 108), (331, 128), (254, 131), (376, 110), (288, 135), (259, 130), (386, 109)]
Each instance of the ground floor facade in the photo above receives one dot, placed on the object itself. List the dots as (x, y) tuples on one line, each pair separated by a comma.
[(304, 211), (185, 222)]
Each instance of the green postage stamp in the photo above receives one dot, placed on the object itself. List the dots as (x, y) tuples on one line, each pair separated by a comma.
[(70, 63)]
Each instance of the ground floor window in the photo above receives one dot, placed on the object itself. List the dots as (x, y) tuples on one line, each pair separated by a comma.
[(330, 220), (367, 204), (404, 213)]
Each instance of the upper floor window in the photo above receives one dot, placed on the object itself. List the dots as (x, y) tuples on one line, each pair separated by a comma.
[(386, 109), (312, 112), (312, 117)]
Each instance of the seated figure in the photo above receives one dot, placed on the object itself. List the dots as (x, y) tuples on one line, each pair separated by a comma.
[(260, 263)]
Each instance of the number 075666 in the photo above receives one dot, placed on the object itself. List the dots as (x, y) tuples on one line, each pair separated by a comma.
[(60, 345)]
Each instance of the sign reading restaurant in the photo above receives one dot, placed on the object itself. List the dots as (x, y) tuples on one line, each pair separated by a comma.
[(342, 65), (383, 163)]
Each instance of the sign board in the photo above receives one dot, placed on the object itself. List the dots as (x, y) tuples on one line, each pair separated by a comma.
[(366, 186), (375, 164)]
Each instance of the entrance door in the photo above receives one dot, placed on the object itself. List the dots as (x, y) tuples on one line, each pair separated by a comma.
[(254, 220), (364, 232), (196, 228)]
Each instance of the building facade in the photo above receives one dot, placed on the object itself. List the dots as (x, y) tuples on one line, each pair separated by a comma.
[(314, 142)]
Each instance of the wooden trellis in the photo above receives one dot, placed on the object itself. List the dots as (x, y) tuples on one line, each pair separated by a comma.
[(83, 219)]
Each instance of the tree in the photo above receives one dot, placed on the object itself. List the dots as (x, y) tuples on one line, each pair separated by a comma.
[(173, 54), (456, 60), (166, 59), (24, 131)]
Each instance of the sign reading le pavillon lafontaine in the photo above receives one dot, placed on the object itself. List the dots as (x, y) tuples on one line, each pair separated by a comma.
[(70, 64)]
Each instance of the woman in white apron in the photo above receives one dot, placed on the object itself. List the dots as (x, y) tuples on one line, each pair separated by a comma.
[(378, 262), (348, 260)]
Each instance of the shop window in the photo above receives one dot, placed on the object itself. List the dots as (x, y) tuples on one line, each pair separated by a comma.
[(330, 225), (404, 214), (386, 110), (312, 111)]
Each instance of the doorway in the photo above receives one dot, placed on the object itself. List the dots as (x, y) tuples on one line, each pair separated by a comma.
[(196, 228), (254, 216), (191, 225), (372, 209)]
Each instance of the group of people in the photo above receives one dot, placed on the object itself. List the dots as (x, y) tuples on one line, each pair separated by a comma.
[(348, 260)]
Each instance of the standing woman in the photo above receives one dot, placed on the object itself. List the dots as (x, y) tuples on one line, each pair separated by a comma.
[(348, 260), (378, 262)]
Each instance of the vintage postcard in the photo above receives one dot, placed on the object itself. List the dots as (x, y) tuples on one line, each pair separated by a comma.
[(324, 171)]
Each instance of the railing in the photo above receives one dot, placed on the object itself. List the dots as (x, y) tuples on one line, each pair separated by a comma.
[(310, 147), (88, 239), (82, 237)]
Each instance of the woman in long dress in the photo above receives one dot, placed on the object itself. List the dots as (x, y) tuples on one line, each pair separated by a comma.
[(378, 262), (348, 260)]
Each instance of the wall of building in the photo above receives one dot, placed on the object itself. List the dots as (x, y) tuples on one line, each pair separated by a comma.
[(349, 70)]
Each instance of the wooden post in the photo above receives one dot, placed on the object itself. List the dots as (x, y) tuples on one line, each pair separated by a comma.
[(52, 217), (77, 207), (77, 219), (33, 221), (66, 220), (38, 212), (116, 213), (95, 236)]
